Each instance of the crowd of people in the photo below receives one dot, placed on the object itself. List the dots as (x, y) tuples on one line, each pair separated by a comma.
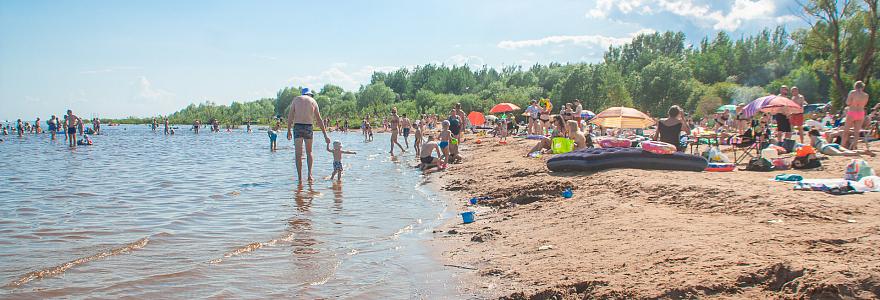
[(436, 139), (71, 126)]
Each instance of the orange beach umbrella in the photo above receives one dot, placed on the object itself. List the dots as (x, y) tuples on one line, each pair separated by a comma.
[(476, 118), (503, 108), (622, 117)]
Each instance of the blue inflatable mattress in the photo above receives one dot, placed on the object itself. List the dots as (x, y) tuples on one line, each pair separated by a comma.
[(597, 159)]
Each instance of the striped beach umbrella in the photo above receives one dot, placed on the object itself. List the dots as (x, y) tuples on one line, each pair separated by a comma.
[(773, 105)]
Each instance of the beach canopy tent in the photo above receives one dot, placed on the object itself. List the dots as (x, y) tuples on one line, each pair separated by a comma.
[(772, 104), (622, 117), (503, 108), (476, 118), (728, 107)]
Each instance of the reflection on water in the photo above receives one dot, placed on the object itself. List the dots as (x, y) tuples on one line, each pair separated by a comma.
[(145, 215)]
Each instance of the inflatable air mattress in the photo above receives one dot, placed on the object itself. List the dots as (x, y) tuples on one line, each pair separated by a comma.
[(597, 159)]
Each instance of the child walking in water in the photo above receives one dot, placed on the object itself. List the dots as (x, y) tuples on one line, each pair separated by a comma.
[(337, 159), (273, 136)]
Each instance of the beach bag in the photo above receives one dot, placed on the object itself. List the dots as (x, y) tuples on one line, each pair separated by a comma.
[(716, 156), (759, 165), (809, 161), (856, 169), (562, 145), (780, 164)]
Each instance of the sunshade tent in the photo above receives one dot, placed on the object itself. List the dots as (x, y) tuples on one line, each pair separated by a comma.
[(503, 107), (773, 105), (476, 118), (728, 107), (588, 114), (622, 117)]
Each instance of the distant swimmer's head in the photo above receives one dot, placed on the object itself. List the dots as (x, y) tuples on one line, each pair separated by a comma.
[(307, 92), (337, 145)]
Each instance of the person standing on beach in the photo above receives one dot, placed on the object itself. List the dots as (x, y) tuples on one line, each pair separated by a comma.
[(855, 115), (407, 126), (798, 119), (303, 112), (72, 123), (395, 130), (534, 113)]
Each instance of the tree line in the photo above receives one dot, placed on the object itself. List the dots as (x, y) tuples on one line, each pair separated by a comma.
[(650, 73)]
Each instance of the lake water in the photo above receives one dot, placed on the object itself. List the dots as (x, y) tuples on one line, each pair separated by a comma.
[(214, 215)]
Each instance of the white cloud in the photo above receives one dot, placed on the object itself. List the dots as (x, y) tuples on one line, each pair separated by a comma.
[(264, 57), (580, 40), (147, 91), (461, 60), (339, 74), (107, 70), (703, 14), (786, 19)]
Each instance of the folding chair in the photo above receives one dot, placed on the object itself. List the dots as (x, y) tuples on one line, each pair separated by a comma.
[(747, 142)]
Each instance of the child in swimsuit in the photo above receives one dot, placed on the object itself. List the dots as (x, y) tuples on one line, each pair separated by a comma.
[(445, 139), (337, 158), (273, 136), (426, 159)]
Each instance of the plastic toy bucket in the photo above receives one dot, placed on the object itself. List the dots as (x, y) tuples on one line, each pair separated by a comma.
[(467, 217)]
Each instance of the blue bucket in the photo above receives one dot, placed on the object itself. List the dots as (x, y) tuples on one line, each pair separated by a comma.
[(474, 201), (567, 193), (467, 217)]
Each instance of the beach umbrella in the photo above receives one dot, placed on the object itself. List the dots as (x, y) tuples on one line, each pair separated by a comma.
[(476, 118), (772, 104), (723, 108), (622, 117), (503, 107), (586, 114)]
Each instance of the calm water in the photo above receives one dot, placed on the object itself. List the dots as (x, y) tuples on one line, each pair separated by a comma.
[(145, 215)]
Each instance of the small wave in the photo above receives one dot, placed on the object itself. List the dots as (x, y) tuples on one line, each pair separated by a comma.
[(405, 229), (60, 269), (253, 247), (84, 194)]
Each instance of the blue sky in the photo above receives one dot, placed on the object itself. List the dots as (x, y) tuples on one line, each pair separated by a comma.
[(142, 58)]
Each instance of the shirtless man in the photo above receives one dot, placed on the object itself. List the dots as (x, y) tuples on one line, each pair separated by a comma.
[(303, 113), (196, 125), (407, 126), (166, 126), (855, 115), (395, 130), (426, 159), (72, 123), (798, 119)]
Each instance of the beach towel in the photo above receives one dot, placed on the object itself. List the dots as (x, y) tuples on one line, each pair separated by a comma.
[(866, 184), (789, 177)]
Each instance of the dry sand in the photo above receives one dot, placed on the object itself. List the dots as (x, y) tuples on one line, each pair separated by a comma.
[(655, 234)]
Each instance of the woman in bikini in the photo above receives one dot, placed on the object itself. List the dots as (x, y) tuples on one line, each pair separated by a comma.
[(395, 130), (855, 115)]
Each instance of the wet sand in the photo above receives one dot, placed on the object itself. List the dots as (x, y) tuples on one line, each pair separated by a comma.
[(655, 234)]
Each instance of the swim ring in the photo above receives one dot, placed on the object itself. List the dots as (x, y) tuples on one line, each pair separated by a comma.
[(598, 159), (658, 147), (720, 167), (615, 142)]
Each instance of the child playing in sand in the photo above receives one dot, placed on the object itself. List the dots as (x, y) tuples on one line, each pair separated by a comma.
[(445, 139), (427, 149), (273, 136), (337, 158)]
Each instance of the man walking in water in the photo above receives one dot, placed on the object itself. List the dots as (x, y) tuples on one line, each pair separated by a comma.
[(855, 115), (166, 125), (72, 123), (303, 113), (407, 125)]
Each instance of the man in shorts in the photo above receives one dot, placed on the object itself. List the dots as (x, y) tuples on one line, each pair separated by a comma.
[(797, 120), (72, 123), (407, 126), (303, 113)]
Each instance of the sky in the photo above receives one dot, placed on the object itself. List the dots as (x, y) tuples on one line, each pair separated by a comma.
[(144, 58)]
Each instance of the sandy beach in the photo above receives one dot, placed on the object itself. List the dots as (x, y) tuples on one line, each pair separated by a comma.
[(655, 234)]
